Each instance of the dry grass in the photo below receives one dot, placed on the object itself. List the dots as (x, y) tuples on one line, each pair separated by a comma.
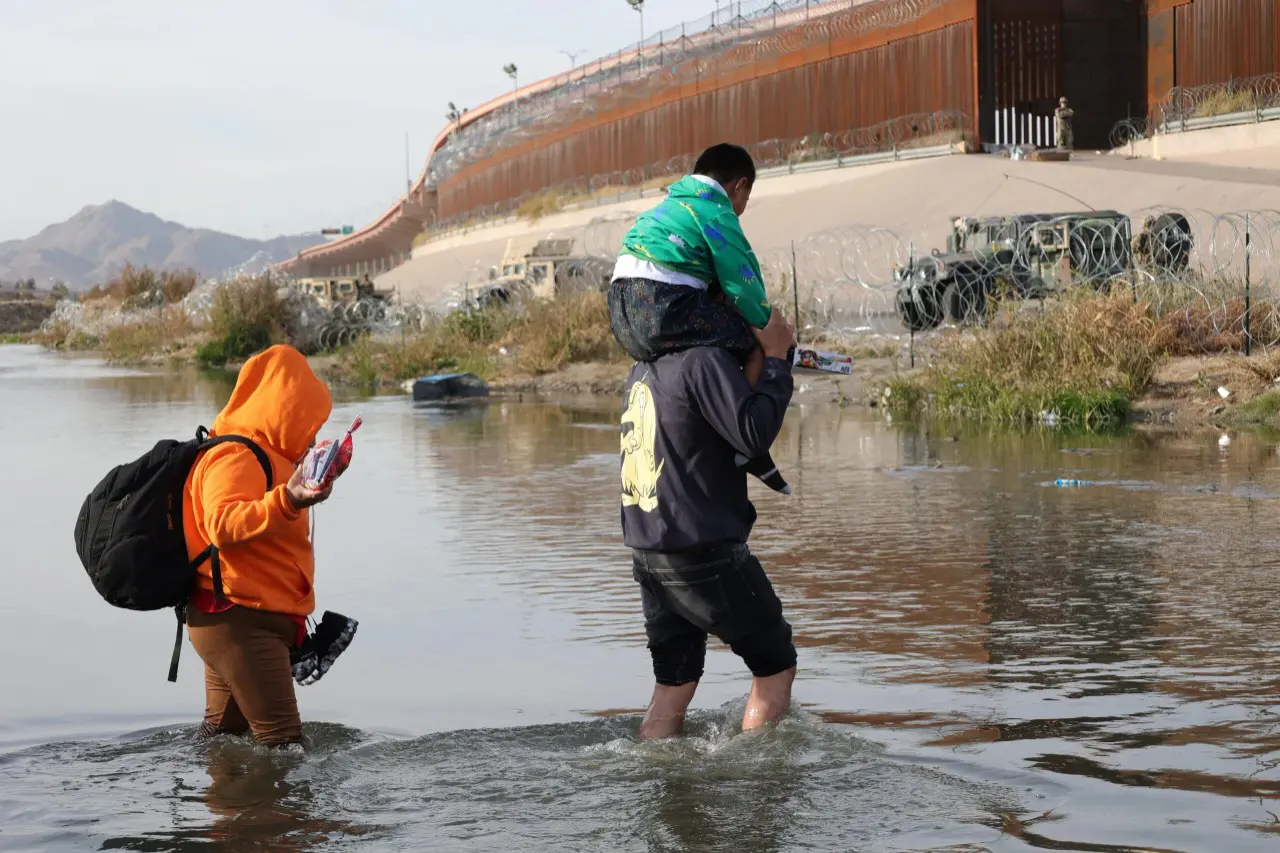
[(573, 328), (1087, 355), (1202, 327), (541, 338), (812, 154), (1082, 359), (247, 316), (946, 137), (543, 204), (137, 286), (167, 332), (1225, 103)]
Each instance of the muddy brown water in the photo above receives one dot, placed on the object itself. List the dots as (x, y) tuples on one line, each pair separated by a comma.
[(988, 661)]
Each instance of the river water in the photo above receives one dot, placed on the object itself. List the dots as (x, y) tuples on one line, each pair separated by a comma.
[(989, 661)]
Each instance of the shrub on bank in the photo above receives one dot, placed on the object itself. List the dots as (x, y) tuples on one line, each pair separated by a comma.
[(143, 314), (1078, 362), (537, 338), (248, 316), (1260, 411), (568, 330), (143, 286), (162, 333)]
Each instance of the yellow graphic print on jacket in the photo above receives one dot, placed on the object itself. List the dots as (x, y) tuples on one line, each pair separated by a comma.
[(640, 468)]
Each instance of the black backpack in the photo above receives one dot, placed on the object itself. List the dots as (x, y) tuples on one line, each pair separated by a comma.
[(129, 531)]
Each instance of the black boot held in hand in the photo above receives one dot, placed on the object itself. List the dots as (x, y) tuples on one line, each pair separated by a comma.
[(763, 467), (319, 650)]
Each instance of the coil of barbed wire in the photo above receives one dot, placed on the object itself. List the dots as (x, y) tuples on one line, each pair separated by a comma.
[(1128, 131), (1191, 268), (603, 235), (583, 275), (1236, 95)]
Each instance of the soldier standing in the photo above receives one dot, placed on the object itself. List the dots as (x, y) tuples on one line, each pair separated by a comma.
[(1064, 114)]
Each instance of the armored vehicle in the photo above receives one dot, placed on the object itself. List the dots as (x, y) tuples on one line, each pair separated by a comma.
[(541, 268), (1029, 256), (341, 290)]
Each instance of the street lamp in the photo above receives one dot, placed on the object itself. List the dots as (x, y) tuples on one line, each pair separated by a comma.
[(638, 5), (573, 57), (514, 74)]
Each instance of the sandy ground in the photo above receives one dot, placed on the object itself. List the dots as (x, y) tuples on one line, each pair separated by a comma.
[(1185, 392), (913, 199)]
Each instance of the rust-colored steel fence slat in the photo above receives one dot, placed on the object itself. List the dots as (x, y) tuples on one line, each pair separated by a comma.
[(920, 74)]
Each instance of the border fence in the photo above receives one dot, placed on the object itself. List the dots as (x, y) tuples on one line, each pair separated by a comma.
[(895, 137), (736, 35)]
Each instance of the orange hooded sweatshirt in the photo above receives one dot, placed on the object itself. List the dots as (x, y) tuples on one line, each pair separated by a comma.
[(263, 543)]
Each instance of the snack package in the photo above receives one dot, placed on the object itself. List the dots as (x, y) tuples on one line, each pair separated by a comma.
[(327, 460), (827, 362)]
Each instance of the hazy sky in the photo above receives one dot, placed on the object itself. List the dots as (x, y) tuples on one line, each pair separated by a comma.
[(266, 117)]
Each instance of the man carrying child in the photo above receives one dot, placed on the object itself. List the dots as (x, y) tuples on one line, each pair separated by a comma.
[(704, 403)]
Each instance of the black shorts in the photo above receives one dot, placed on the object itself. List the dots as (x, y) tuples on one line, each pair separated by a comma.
[(651, 319), (720, 590)]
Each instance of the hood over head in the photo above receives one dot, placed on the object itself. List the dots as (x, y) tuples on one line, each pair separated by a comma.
[(278, 401)]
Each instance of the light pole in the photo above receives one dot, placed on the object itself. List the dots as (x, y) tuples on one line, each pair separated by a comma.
[(638, 5), (573, 57), (514, 74), (454, 115)]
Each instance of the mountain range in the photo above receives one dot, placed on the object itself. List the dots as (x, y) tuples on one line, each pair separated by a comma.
[(95, 244)]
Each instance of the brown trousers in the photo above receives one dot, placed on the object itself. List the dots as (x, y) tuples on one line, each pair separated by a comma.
[(248, 682)]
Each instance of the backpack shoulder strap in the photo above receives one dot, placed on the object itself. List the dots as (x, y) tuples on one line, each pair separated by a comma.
[(211, 553), (249, 443)]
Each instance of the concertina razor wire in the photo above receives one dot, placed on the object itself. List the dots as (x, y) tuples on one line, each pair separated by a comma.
[(1209, 271)]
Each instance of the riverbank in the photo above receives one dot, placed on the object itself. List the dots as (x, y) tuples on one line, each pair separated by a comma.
[(1182, 393), (1088, 361), (1095, 360)]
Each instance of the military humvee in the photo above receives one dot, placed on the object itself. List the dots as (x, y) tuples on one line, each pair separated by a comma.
[(1027, 256), (341, 289), (538, 268)]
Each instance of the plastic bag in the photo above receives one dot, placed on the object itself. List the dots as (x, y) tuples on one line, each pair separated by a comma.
[(327, 460)]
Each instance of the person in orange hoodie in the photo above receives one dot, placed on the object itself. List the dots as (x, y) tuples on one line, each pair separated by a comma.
[(245, 633)]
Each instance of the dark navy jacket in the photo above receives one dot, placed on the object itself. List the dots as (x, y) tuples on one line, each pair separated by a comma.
[(687, 415)]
